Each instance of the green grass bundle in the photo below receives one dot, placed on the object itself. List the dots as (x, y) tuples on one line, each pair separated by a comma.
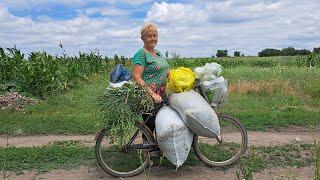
[(121, 108)]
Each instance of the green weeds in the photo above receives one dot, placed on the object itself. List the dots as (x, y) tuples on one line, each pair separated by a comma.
[(71, 154), (61, 155)]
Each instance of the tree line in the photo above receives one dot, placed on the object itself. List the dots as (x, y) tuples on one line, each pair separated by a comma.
[(289, 51)]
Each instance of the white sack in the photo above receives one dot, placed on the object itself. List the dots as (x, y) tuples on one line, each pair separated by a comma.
[(218, 86), (174, 137), (208, 72), (196, 113)]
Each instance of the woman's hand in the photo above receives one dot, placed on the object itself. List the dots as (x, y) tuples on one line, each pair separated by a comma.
[(157, 98)]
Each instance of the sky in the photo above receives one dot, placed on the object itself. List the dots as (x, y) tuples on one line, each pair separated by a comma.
[(189, 28)]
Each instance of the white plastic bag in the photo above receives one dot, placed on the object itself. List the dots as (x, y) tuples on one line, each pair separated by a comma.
[(218, 87), (196, 113), (174, 137), (118, 85), (208, 72)]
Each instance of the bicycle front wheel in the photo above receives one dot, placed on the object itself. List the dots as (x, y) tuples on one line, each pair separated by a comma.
[(232, 145), (124, 160)]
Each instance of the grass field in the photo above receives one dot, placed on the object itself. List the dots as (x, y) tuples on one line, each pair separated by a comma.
[(71, 154)]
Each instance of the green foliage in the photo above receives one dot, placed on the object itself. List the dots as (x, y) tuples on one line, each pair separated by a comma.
[(290, 51), (72, 154), (59, 155), (316, 50), (75, 112), (231, 62), (236, 53), (313, 59), (249, 164), (116, 59), (42, 75), (120, 107), (222, 53)]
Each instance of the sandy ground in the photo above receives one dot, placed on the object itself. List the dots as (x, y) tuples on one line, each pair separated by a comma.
[(256, 138), (183, 173)]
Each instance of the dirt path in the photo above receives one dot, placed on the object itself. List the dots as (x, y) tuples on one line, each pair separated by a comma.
[(183, 173), (256, 138)]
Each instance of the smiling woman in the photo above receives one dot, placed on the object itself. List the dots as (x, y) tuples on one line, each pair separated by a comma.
[(150, 68)]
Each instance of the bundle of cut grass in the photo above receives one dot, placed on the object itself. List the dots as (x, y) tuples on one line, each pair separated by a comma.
[(121, 108)]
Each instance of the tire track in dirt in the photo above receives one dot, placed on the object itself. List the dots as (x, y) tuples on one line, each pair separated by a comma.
[(256, 138)]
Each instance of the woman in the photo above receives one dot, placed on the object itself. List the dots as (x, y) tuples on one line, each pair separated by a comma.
[(150, 68)]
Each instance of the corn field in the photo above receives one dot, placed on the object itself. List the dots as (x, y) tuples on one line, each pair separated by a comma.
[(42, 74), (227, 62)]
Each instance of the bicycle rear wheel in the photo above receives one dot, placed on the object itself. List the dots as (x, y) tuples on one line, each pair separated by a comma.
[(122, 160), (233, 144)]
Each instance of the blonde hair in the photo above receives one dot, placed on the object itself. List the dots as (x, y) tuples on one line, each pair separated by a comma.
[(149, 27)]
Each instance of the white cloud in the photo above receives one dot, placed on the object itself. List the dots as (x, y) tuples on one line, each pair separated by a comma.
[(191, 29), (175, 13), (81, 33), (106, 11)]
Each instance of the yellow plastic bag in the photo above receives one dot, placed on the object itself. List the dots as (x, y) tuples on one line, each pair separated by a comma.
[(181, 79)]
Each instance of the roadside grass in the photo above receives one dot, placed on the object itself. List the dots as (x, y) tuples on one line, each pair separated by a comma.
[(260, 98), (72, 154), (75, 112), (59, 155), (263, 112)]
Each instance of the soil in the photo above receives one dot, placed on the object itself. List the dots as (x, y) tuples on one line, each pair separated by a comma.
[(183, 173), (256, 138)]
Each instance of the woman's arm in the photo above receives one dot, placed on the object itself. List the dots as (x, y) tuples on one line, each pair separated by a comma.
[(137, 76)]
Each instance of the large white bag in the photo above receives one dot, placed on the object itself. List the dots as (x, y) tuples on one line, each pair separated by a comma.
[(174, 137), (218, 87), (196, 113), (208, 72)]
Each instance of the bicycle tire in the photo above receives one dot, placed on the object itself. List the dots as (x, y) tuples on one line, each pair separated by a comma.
[(107, 168), (243, 148)]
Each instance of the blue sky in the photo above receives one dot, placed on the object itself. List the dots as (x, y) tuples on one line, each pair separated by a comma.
[(189, 28)]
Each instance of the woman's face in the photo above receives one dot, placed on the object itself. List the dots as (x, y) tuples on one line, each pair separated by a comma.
[(150, 39)]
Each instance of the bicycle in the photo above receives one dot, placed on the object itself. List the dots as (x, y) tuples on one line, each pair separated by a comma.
[(132, 158)]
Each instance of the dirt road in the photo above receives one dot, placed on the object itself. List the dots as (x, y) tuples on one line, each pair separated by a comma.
[(256, 138)]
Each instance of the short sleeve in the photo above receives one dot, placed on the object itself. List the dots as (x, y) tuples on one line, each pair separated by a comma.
[(139, 58)]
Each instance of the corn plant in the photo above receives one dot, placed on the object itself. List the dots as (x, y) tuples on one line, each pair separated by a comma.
[(42, 74)]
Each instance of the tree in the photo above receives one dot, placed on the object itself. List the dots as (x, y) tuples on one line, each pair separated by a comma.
[(303, 52), (116, 59), (289, 51), (269, 52), (316, 50), (167, 54), (222, 53), (236, 54)]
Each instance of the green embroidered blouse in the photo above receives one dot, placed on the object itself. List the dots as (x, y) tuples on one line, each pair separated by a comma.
[(155, 69)]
